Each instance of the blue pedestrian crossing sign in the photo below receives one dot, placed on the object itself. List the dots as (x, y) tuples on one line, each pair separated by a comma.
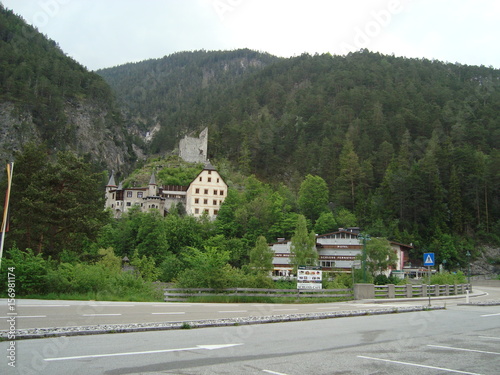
[(428, 259)]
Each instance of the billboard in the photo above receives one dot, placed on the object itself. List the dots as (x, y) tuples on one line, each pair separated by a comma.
[(309, 277)]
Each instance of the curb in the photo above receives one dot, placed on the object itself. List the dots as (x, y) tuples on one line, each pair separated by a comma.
[(37, 333)]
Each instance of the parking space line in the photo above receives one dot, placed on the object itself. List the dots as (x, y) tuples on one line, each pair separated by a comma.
[(419, 365), (489, 337), (463, 349)]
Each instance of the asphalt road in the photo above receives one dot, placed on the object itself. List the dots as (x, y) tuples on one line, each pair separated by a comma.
[(458, 340), (45, 313)]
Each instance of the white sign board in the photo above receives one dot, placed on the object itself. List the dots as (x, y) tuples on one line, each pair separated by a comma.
[(309, 277)]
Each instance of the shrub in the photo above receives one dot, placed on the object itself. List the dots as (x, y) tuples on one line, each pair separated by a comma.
[(30, 271), (444, 278)]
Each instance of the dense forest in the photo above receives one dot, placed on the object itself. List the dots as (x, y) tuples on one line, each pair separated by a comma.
[(406, 149), (46, 96), (407, 145)]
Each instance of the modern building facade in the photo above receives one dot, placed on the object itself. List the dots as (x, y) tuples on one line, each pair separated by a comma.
[(338, 251)]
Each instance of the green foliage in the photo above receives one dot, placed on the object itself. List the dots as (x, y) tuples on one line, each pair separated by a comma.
[(326, 223), (57, 204), (206, 269), (145, 266), (444, 278), (313, 197), (398, 141), (170, 268), (337, 281), (303, 251), (43, 82), (261, 257), (345, 218), (37, 277), (380, 255), (30, 271)]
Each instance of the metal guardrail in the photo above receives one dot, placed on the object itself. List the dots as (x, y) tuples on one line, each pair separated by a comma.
[(182, 294)]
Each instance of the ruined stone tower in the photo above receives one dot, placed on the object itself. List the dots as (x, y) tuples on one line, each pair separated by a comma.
[(194, 150)]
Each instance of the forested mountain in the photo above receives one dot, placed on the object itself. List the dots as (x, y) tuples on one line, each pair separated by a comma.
[(45, 96), (171, 96), (406, 144)]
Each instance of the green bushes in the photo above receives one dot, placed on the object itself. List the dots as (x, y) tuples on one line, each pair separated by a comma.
[(101, 280), (444, 278)]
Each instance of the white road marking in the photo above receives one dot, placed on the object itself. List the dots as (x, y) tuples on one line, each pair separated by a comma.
[(101, 314), (23, 316), (418, 365), (274, 372), (110, 305), (21, 305), (462, 349), (168, 313), (489, 337), (232, 311), (197, 347), (484, 316), (328, 308), (285, 309)]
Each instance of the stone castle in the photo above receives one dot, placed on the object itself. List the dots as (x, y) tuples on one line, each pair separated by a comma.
[(204, 195)]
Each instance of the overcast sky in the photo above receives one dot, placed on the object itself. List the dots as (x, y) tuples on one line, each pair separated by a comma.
[(105, 33)]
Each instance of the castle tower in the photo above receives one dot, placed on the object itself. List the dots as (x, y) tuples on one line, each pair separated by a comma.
[(194, 150), (152, 186), (110, 188)]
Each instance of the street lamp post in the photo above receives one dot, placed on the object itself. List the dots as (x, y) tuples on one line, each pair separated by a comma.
[(364, 238), (468, 267)]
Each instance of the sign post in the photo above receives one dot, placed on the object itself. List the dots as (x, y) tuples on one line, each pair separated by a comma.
[(429, 261)]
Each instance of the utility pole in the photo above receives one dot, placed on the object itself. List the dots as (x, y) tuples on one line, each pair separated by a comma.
[(5, 221)]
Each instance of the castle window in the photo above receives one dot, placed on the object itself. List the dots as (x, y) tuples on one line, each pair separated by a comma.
[(222, 192), (139, 194), (215, 202), (206, 191), (216, 212), (197, 191), (196, 201), (218, 180), (200, 179), (210, 179), (215, 192), (129, 204), (196, 210), (129, 194), (209, 172), (205, 201)]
